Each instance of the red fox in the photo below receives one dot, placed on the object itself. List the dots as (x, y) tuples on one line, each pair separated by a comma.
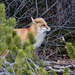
[(38, 28)]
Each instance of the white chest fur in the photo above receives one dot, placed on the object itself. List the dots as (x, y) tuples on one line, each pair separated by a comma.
[(40, 37)]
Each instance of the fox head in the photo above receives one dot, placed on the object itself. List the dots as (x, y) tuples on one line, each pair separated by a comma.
[(40, 24), (40, 27)]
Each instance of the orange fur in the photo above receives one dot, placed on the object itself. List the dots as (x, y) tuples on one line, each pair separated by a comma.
[(23, 32)]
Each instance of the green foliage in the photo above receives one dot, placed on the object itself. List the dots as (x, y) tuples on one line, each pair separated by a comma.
[(27, 43), (16, 66), (13, 33), (26, 52), (17, 53), (5, 30), (32, 65), (35, 57), (17, 41), (52, 72), (11, 22), (31, 38), (9, 57), (27, 72), (8, 29), (42, 71), (2, 8), (1, 61), (2, 14), (9, 39), (0, 64), (19, 72), (29, 52), (10, 70), (70, 50), (41, 63), (3, 47), (66, 71)]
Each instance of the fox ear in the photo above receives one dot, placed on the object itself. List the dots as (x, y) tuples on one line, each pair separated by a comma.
[(33, 20)]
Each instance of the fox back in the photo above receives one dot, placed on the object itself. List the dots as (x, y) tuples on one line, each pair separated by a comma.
[(38, 28)]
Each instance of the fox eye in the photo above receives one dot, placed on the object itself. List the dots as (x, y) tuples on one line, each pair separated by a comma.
[(43, 25)]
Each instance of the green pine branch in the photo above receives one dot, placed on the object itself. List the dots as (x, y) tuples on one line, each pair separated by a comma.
[(70, 50)]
